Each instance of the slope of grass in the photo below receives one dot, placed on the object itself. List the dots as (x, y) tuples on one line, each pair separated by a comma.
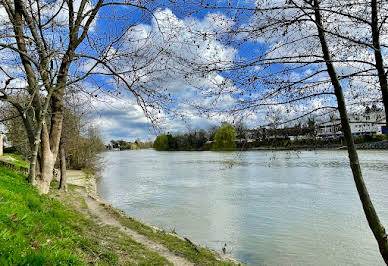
[(15, 159), (38, 230)]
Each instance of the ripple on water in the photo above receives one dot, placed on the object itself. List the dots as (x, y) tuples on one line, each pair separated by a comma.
[(273, 208)]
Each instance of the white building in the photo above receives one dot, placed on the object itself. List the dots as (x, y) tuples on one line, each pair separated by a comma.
[(367, 123)]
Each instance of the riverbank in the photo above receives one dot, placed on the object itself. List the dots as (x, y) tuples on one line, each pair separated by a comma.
[(177, 250), (78, 228)]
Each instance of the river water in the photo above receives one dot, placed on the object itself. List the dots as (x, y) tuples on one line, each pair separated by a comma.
[(271, 208)]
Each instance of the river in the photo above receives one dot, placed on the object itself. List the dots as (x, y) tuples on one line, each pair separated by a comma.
[(272, 208)]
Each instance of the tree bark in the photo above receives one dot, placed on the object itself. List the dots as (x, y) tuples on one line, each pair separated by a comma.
[(379, 59), (62, 165), (47, 162), (47, 158), (48, 141), (43, 180), (369, 210), (1, 144)]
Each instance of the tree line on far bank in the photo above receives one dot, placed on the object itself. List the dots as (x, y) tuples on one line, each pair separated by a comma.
[(127, 145), (230, 137), (216, 138)]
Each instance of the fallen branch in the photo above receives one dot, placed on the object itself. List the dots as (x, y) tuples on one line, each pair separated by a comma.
[(194, 246)]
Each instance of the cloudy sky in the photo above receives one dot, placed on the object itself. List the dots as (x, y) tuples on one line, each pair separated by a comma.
[(171, 44)]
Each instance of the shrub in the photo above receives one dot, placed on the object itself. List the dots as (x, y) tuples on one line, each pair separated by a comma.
[(225, 138), (161, 143)]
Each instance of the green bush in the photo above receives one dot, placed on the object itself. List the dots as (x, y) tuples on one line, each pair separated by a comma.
[(225, 138), (161, 143), (369, 138)]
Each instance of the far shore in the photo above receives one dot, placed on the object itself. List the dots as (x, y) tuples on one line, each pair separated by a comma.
[(363, 146)]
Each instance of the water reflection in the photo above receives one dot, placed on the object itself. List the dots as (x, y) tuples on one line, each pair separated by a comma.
[(274, 208)]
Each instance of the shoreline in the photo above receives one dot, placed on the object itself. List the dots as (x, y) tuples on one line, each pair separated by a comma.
[(379, 145), (80, 179)]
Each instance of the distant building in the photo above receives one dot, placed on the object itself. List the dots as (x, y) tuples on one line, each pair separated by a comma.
[(367, 123), (286, 133), (330, 129)]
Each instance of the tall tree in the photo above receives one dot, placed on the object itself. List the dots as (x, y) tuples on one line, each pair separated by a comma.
[(48, 46), (161, 143), (225, 138), (369, 210)]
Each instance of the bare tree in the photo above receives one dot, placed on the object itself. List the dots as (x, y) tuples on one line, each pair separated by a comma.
[(49, 46), (369, 210), (359, 29)]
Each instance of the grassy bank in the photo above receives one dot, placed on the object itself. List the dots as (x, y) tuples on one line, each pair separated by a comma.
[(38, 230)]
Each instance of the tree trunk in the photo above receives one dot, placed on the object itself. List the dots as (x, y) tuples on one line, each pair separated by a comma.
[(49, 144), (34, 157), (1, 144), (379, 59), (62, 165), (47, 162), (369, 210), (43, 180)]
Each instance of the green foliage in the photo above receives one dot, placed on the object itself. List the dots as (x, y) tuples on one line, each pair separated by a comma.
[(369, 138), (134, 146), (225, 138), (172, 145), (161, 143), (127, 145), (143, 145), (194, 140)]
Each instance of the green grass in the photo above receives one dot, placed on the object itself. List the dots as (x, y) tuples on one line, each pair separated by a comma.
[(16, 160), (39, 230), (196, 254)]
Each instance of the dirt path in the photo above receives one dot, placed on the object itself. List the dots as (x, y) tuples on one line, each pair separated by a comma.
[(99, 213), (104, 217)]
